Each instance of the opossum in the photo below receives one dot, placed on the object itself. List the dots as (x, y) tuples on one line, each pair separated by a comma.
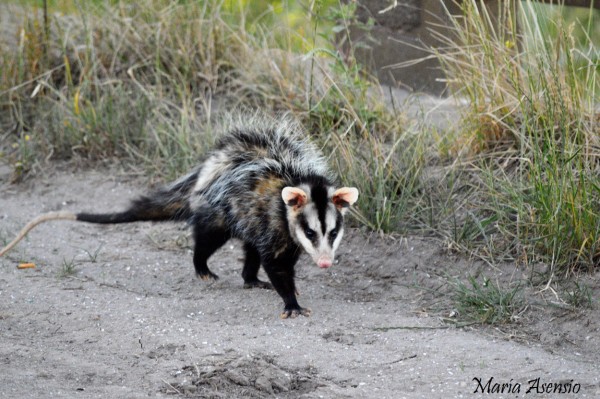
[(263, 183)]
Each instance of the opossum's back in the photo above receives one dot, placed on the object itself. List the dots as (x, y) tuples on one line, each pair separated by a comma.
[(246, 190), (278, 146)]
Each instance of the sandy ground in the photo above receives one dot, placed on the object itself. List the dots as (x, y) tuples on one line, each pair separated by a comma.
[(130, 320)]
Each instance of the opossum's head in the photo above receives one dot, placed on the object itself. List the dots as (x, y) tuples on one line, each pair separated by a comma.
[(316, 218)]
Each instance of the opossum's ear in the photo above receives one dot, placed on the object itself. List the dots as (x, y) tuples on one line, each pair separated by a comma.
[(294, 196), (345, 197)]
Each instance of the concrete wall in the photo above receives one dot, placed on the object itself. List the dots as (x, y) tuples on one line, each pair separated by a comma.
[(400, 33)]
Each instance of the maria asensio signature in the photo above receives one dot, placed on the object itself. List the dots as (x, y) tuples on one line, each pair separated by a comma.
[(533, 386)]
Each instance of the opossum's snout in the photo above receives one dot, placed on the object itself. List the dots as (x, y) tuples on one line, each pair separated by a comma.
[(324, 262), (315, 218), (322, 256), (322, 247)]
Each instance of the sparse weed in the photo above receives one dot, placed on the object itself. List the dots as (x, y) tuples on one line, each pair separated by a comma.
[(93, 256), (68, 268), (4, 237), (578, 295), (485, 301)]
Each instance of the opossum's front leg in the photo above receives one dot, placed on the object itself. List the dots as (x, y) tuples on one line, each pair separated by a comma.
[(281, 273), (251, 267)]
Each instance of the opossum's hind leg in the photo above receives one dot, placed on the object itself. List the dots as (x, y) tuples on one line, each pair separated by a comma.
[(251, 267), (207, 240)]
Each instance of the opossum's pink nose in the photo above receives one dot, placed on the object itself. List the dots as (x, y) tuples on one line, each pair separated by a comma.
[(324, 262)]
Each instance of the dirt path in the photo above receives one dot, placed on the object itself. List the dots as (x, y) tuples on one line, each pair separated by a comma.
[(127, 319)]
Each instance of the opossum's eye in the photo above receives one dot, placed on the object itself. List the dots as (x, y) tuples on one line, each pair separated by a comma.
[(333, 234), (309, 233)]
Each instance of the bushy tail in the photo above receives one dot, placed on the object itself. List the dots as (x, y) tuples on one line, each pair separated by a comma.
[(167, 203)]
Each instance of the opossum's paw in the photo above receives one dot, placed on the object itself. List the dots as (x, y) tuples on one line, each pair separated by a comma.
[(208, 276), (257, 284), (295, 312)]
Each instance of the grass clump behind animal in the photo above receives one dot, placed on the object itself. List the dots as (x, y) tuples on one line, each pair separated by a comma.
[(145, 84), (530, 133)]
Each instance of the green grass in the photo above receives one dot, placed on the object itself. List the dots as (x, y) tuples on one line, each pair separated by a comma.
[(485, 302), (531, 131), (93, 256), (136, 82), (578, 295), (69, 268)]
